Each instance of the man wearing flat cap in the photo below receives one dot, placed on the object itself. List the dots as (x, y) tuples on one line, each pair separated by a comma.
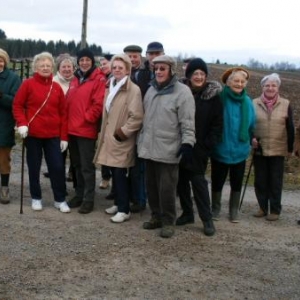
[(167, 136)]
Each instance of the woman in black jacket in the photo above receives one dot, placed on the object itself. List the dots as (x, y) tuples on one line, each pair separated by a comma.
[(209, 126)]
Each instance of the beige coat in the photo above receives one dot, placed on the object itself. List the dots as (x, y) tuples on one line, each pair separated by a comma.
[(126, 112)]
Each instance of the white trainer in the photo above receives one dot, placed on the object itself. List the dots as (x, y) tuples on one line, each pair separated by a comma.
[(36, 204), (120, 217), (62, 206), (112, 210)]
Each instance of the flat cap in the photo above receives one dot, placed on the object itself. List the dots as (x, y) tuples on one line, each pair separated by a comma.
[(133, 48), (155, 47), (166, 60), (228, 72)]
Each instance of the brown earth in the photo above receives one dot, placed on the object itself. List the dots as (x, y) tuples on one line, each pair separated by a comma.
[(51, 255)]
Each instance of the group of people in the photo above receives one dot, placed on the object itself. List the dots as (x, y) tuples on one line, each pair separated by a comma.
[(149, 131)]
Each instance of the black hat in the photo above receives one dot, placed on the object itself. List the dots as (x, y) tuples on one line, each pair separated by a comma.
[(155, 47), (108, 56), (195, 64), (85, 52), (133, 48)]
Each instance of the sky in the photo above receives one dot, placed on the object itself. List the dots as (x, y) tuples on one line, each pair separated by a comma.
[(232, 31)]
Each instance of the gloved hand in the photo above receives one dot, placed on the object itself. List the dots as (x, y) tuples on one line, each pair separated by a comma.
[(23, 131), (186, 152), (63, 146)]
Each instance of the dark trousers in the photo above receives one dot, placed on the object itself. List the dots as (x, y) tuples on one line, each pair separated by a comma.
[(137, 182), (219, 172), (121, 189), (82, 151), (161, 182), (106, 172), (54, 160), (200, 190), (268, 172)]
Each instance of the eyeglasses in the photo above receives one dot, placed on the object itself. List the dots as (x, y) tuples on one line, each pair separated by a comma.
[(117, 68), (160, 69)]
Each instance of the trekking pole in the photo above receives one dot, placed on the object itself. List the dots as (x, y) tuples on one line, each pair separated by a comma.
[(246, 183), (22, 176)]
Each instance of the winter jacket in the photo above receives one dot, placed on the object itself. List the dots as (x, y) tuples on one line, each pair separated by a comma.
[(126, 112), (208, 122), (231, 150), (142, 77), (274, 130), (85, 103), (169, 122), (51, 120), (9, 84), (64, 83)]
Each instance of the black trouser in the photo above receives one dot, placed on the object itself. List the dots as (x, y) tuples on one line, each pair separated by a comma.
[(200, 190), (106, 172), (219, 172), (268, 172), (82, 151), (161, 182)]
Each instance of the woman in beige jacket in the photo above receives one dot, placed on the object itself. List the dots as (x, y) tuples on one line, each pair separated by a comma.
[(122, 118)]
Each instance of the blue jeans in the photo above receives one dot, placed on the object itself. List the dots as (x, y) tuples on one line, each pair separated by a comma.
[(54, 160)]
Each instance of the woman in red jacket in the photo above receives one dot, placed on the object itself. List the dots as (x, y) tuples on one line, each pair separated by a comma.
[(39, 108)]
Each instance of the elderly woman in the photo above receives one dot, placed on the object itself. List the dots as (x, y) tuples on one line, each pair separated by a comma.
[(122, 118), (9, 84), (230, 155), (40, 112), (274, 138)]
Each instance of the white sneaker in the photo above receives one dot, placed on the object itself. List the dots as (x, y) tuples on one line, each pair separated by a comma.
[(36, 204), (120, 217), (62, 206), (112, 210)]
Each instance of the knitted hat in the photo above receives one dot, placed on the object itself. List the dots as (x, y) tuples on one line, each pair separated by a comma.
[(86, 53), (5, 56), (228, 72), (195, 64), (165, 59), (155, 47), (133, 48), (271, 77)]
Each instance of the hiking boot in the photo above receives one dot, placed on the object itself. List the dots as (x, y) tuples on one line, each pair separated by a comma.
[(86, 207), (62, 206), (36, 204), (272, 217), (152, 224), (167, 231), (135, 208), (120, 217), (259, 214), (104, 184), (185, 219), (75, 202), (4, 195), (209, 228)]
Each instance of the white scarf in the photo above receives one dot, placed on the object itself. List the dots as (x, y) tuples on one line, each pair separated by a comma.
[(113, 91)]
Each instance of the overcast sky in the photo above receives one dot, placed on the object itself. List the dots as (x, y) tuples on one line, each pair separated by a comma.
[(232, 31)]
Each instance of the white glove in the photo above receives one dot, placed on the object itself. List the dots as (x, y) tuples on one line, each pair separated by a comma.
[(63, 146), (23, 131)]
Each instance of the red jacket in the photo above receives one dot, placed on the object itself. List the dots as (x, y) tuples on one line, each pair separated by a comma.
[(51, 121), (85, 104)]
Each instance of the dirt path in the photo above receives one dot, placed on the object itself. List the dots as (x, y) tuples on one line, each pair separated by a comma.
[(50, 255)]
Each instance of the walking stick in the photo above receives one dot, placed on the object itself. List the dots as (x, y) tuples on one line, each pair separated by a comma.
[(22, 176), (246, 183)]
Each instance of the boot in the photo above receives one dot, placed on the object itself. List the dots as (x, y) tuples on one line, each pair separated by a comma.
[(234, 203), (209, 228), (216, 205)]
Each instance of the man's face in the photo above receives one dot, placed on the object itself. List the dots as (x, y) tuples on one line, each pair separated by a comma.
[(162, 72), (151, 55), (135, 58)]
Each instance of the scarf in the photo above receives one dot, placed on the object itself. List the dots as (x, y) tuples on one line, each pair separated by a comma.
[(269, 102), (227, 94), (114, 87)]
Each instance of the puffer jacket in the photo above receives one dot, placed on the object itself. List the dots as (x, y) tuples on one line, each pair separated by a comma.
[(9, 84), (169, 122)]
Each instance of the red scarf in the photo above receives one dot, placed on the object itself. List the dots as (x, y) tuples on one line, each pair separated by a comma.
[(269, 102)]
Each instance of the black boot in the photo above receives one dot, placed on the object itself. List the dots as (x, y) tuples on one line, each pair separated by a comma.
[(75, 202), (209, 227), (234, 203), (185, 219), (86, 207), (216, 204)]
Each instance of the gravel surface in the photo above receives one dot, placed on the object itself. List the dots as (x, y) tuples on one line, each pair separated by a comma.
[(51, 255)]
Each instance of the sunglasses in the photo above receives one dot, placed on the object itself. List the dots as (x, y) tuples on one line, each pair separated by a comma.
[(160, 69)]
